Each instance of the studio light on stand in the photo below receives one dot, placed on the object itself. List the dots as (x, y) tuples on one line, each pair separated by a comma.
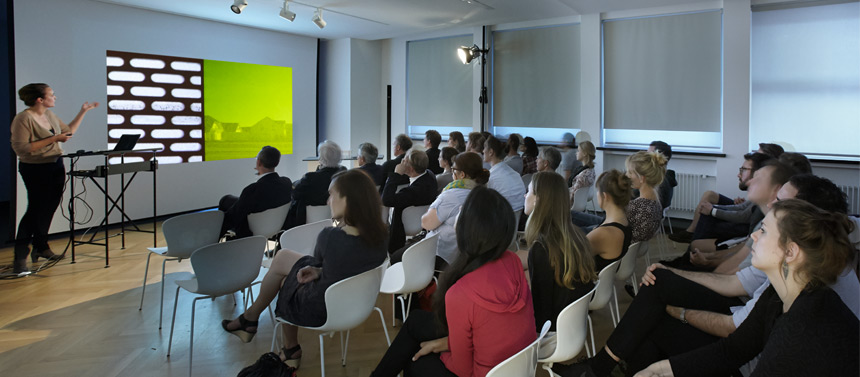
[(238, 6), (286, 13), (317, 19), (467, 54)]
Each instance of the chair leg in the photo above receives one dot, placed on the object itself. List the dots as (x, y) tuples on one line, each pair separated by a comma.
[(615, 314), (382, 319), (173, 322), (191, 337), (275, 335), (402, 307), (408, 307), (591, 332), (322, 357), (344, 347), (393, 308), (143, 286), (161, 303)]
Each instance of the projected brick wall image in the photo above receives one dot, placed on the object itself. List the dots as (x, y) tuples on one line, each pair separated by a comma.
[(198, 110)]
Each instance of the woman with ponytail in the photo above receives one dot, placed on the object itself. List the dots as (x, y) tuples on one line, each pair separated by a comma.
[(646, 171), (561, 268), (483, 307)]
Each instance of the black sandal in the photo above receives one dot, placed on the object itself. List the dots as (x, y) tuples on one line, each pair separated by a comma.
[(289, 360), (242, 332)]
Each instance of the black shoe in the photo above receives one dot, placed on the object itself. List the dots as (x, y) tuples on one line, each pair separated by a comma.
[(629, 289), (682, 236), (47, 254), (20, 266), (244, 331)]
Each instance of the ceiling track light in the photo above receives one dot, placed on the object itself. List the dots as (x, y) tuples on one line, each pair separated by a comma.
[(317, 19), (467, 54), (286, 13), (238, 6)]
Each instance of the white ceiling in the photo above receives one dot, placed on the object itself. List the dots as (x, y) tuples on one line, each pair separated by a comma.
[(378, 19)]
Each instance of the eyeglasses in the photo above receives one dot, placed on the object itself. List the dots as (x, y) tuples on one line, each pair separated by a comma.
[(741, 170)]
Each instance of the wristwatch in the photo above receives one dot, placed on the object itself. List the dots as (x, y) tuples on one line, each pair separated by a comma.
[(683, 316), (713, 212)]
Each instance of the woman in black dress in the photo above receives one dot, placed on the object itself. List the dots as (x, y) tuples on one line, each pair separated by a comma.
[(356, 245)]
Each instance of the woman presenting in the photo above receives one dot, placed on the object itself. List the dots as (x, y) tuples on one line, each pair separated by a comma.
[(36, 136)]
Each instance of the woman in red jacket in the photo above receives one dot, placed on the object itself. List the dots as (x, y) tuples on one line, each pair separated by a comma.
[(483, 307)]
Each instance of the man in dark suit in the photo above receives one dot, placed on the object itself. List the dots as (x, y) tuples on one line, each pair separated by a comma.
[(421, 190), (432, 139), (367, 155), (270, 191), (402, 143), (312, 189)]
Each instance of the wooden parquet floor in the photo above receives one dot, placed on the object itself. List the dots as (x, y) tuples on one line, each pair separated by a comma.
[(83, 320)]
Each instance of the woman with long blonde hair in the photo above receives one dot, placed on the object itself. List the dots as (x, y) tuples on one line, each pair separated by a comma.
[(561, 267)]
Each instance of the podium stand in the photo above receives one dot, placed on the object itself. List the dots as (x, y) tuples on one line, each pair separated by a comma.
[(103, 172)]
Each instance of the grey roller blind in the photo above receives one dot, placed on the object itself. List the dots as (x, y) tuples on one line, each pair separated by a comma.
[(536, 77), (438, 85), (663, 73)]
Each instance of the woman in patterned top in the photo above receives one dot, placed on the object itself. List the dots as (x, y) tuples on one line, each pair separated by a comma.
[(530, 153), (646, 171), (583, 176)]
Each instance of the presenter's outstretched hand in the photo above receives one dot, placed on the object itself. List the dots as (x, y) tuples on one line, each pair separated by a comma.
[(89, 106)]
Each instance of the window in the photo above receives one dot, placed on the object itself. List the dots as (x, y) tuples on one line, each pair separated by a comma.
[(438, 87), (805, 80), (536, 82), (662, 80)]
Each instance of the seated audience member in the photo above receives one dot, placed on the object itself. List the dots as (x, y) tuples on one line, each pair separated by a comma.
[(583, 176), (799, 326), (762, 190), (513, 159), (442, 216), (270, 191), (530, 153), (483, 306), (446, 158), (732, 217), (548, 159), (356, 245), (312, 189), (676, 311), (402, 143), (773, 150), (646, 171), (560, 263), (432, 139), (476, 145), (798, 161), (666, 189), (456, 141), (502, 178), (611, 238), (569, 163), (421, 191), (368, 153)]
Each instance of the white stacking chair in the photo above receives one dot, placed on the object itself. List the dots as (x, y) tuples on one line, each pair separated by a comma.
[(268, 223), (412, 219), (411, 275), (526, 180), (667, 218), (591, 191), (183, 234), (580, 197), (570, 335), (303, 238), (626, 270), (523, 363), (348, 304), (317, 213), (220, 269), (602, 294)]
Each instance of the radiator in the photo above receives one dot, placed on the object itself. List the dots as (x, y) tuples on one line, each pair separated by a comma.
[(688, 191), (853, 193)]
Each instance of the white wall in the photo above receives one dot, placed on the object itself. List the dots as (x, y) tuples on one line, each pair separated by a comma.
[(63, 43), (736, 78)]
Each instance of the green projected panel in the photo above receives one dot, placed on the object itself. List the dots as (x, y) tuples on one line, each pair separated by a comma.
[(245, 107)]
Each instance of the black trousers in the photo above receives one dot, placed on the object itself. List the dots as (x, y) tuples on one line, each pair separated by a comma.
[(225, 204), (711, 227), (419, 327), (647, 334), (44, 183)]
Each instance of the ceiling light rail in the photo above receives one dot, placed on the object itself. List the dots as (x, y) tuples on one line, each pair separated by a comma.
[(287, 14)]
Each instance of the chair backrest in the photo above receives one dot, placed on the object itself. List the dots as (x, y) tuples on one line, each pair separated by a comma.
[(605, 286), (303, 238), (412, 219), (317, 213), (580, 198), (269, 222), (571, 329), (186, 233), (349, 302), (591, 191), (523, 363), (418, 263), (526, 180), (628, 262), (224, 268)]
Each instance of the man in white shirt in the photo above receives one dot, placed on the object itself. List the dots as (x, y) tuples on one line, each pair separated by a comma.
[(502, 178)]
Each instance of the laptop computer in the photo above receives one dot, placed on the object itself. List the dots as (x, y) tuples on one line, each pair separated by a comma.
[(126, 142)]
